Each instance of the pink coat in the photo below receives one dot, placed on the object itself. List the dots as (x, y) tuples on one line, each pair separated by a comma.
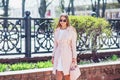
[(65, 47)]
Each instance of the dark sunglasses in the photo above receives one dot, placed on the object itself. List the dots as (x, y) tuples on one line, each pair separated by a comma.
[(62, 20)]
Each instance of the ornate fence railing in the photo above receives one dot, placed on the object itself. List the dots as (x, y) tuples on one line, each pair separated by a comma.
[(35, 35), (103, 41), (11, 35)]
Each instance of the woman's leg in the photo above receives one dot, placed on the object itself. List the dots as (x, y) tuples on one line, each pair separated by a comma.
[(67, 77), (59, 75)]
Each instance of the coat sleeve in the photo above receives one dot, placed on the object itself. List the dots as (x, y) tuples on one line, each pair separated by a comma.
[(55, 45), (73, 45)]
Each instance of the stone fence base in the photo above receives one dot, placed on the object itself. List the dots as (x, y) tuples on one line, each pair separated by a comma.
[(96, 71)]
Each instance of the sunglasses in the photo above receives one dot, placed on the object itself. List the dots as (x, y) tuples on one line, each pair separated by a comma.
[(63, 20)]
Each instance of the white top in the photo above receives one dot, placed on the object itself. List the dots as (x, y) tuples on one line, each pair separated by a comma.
[(61, 33)]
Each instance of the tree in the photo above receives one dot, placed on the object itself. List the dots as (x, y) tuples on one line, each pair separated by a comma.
[(43, 7), (96, 7), (62, 5), (5, 5), (118, 1), (71, 7), (23, 7), (104, 7)]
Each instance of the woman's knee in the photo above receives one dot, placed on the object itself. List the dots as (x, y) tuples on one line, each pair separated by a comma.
[(59, 73), (67, 77)]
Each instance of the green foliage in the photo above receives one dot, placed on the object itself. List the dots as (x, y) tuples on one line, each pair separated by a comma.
[(82, 62), (114, 57), (22, 66), (91, 27), (44, 64), (48, 64), (54, 24), (3, 67), (25, 66), (88, 24)]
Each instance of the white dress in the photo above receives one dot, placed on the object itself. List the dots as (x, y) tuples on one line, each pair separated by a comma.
[(59, 66)]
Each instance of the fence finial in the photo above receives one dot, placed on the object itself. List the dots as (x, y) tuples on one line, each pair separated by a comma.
[(27, 13)]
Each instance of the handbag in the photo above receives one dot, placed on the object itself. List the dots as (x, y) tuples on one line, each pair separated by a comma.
[(74, 73)]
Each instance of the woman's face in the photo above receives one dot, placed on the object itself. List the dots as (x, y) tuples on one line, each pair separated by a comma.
[(63, 21)]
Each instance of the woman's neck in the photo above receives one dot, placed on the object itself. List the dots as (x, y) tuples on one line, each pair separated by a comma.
[(63, 27)]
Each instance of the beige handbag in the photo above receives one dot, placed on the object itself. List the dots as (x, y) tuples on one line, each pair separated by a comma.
[(74, 73)]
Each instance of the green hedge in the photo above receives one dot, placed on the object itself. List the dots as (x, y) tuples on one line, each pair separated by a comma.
[(24, 66), (89, 25), (42, 64)]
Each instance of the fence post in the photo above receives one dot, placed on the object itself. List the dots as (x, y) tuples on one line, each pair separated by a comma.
[(27, 27)]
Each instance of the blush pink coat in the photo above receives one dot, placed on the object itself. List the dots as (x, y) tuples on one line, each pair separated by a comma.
[(65, 47)]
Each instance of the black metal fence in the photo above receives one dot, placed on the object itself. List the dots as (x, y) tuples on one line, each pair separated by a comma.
[(35, 35)]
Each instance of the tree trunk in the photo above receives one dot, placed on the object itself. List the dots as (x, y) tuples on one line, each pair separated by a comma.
[(98, 9), (72, 7), (94, 49), (42, 8), (5, 5), (104, 7), (23, 8)]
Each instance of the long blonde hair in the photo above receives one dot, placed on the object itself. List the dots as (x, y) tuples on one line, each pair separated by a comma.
[(67, 19)]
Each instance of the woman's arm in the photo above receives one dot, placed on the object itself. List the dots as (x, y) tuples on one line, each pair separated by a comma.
[(54, 49), (74, 40), (55, 45)]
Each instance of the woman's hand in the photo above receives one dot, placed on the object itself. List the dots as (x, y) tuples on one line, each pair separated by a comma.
[(52, 60), (74, 60), (74, 64)]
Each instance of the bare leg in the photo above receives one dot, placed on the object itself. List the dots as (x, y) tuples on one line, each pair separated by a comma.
[(67, 77), (59, 75)]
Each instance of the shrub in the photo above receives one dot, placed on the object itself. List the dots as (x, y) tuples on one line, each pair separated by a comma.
[(114, 57), (91, 27), (25, 66), (22, 66), (3, 67)]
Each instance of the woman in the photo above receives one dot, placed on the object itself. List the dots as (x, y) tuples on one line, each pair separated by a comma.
[(64, 52)]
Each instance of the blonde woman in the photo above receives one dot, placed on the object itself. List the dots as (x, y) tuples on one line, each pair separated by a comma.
[(64, 52)]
